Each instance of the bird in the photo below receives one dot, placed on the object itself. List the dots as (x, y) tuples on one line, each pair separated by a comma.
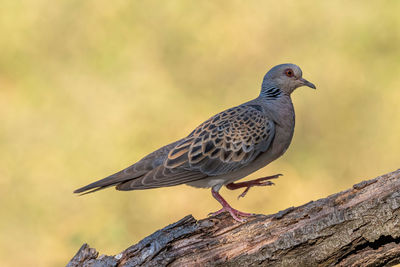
[(223, 149)]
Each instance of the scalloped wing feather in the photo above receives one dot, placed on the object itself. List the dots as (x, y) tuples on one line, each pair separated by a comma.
[(226, 142)]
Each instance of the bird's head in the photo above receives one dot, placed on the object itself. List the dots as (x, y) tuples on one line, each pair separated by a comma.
[(287, 77)]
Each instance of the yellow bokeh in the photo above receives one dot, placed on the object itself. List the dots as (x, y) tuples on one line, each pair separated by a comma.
[(89, 87)]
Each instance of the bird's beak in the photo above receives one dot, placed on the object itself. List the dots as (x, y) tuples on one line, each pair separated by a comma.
[(307, 83)]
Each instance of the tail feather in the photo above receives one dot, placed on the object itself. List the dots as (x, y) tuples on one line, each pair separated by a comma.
[(88, 191), (111, 180), (134, 171), (98, 185), (93, 187)]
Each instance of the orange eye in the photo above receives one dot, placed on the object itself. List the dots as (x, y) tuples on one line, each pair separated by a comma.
[(289, 72)]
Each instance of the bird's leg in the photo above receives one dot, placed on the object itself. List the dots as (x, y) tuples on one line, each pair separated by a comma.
[(226, 207), (264, 181)]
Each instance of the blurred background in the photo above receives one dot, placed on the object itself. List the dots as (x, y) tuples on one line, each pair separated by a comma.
[(89, 87)]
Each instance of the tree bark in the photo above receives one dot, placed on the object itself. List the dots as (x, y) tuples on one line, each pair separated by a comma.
[(356, 227)]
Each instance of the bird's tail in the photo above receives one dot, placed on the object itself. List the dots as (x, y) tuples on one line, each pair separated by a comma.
[(96, 186), (111, 180)]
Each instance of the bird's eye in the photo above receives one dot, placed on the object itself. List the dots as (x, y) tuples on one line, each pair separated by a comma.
[(289, 72)]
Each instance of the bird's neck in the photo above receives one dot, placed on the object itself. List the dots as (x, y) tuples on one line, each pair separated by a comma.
[(275, 100), (270, 92), (278, 107)]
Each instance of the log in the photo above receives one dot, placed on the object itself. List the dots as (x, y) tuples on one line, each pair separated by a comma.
[(356, 227)]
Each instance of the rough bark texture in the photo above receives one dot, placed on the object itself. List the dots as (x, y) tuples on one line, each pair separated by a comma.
[(356, 227)]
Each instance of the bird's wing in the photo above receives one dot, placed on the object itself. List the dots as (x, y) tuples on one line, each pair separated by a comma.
[(226, 142)]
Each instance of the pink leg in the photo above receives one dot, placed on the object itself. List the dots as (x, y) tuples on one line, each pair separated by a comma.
[(248, 184), (226, 207)]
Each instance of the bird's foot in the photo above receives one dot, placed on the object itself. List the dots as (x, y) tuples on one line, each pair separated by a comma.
[(264, 181), (226, 207), (236, 214)]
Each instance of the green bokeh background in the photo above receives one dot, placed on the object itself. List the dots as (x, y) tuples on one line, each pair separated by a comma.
[(89, 87)]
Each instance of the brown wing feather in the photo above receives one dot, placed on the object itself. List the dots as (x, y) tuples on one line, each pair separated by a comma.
[(226, 142)]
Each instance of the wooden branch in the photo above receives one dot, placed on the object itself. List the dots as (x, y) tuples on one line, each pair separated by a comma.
[(356, 227)]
